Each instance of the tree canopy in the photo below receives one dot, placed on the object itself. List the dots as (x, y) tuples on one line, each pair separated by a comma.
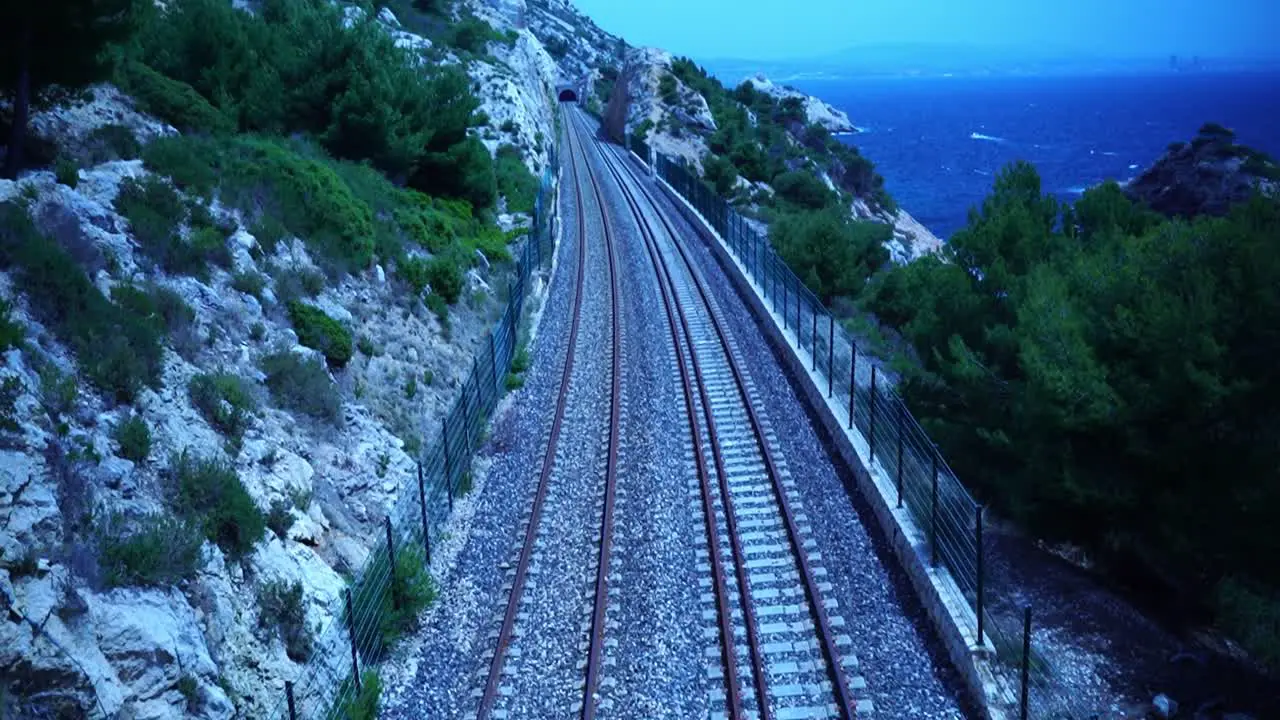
[(52, 47), (1108, 376)]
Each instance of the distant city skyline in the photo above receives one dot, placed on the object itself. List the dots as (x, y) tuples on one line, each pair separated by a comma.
[(759, 30)]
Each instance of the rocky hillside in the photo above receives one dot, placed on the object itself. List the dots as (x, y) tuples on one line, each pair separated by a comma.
[(752, 134), (1205, 176), (220, 356)]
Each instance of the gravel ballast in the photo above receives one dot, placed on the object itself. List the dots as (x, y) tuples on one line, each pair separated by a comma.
[(906, 671)]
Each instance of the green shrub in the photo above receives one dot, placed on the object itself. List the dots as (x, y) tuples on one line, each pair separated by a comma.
[(119, 351), (411, 388), (282, 608), (291, 284), (520, 361), (362, 705), (112, 142), (189, 161), (155, 550), (669, 89), (171, 100), (515, 182), (10, 389), (351, 88), (66, 172), (258, 332), (279, 519), (463, 171), (133, 438), (513, 382), (471, 34), (803, 189), (440, 307), (226, 401), (721, 173), (11, 333), (58, 391), (445, 278), (411, 588), (1214, 130), (209, 494), (302, 385), (319, 331), (189, 689), (163, 308), (832, 254), (509, 126), (249, 282), (156, 213), (286, 186), (1252, 618), (366, 346), (440, 274)]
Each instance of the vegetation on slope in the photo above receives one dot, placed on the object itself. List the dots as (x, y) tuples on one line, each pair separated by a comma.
[(1106, 376)]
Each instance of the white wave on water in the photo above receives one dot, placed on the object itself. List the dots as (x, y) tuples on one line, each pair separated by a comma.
[(1109, 154), (988, 138), (984, 173), (1133, 166)]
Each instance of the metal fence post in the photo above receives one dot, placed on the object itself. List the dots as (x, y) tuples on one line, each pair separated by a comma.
[(391, 557), (426, 528), (933, 514), (853, 378), (831, 355), (288, 694), (902, 432), (493, 359), (799, 340), (448, 474), (786, 302), (813, 337), (980, 573), (351, 629), (871, 434), (1026, 660)]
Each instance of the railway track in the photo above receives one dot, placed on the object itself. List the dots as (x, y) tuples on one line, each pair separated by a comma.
[(765, 583), (498, 675)]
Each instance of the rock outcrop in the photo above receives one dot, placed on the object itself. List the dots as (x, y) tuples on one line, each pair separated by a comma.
[(1204, 177), (70, 646), (816, 111), (679, 124)]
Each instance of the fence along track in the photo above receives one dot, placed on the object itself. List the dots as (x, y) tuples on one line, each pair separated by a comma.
[(745, 423), (491, 690)]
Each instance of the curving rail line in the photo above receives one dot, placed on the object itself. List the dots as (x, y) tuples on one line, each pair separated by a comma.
[(724, 391), (506, 632)]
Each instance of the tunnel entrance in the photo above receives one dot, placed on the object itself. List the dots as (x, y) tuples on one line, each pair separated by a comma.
[(568, 95)]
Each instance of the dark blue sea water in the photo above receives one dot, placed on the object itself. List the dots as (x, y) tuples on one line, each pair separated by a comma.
[(939, 142)]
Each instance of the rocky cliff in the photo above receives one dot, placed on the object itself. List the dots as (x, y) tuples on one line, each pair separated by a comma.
[(77, 643), (1205, 176), (672, 109)]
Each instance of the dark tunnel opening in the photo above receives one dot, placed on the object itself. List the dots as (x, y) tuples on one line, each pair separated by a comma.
[(568, 95)]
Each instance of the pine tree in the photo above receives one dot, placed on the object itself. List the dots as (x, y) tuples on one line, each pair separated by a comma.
[(47, 47)]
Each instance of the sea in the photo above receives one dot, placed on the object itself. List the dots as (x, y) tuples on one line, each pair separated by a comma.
[(939, 142)]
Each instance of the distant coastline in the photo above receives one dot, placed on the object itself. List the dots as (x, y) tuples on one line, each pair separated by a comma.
[(939, 142)]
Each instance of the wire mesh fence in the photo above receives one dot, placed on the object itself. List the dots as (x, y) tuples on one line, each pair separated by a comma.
[(938, 503), (373, 609)]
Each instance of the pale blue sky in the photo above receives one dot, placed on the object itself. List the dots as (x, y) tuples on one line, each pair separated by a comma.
[(769, 29)]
